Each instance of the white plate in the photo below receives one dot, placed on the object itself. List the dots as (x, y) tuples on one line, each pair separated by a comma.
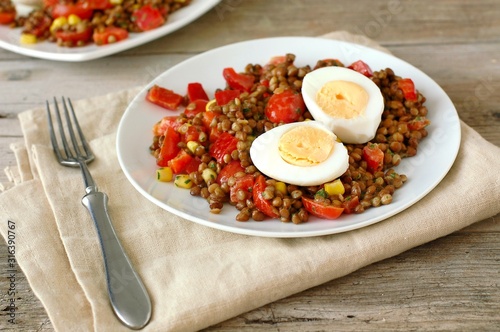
[(436, 153), (9, 38)]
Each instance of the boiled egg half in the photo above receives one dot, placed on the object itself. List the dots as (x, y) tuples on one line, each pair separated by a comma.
[(347, 102), (301, 153)]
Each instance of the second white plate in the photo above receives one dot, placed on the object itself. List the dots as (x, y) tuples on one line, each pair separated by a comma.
[(9, 38)]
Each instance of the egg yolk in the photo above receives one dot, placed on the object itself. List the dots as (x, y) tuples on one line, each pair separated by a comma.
[(342, 99), (306, 146)]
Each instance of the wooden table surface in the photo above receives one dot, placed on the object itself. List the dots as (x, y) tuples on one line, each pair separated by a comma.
[(449, 284)]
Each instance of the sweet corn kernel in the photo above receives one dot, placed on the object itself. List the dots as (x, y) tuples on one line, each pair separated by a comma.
[(27, 38), (192, 145), (281, 187), (334, 188), (58, 23), (116, 2), (208, 175), (164, 174), (73, 19), (183, 181)]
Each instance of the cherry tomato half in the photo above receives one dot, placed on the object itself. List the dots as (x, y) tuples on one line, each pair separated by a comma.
[(148, 18), (285, 107)]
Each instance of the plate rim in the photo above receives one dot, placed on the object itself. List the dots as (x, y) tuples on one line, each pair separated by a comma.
[(287, 234)]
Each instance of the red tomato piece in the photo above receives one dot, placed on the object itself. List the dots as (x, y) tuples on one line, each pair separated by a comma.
[(193, 133), (8, 16), (225, 144), (49, 3), (285, 107), (148, 18), (276, 60), (179, 163), (109, 35), (262, 204), (164, 97), (374, 158), (193, 165), (66, 9), (169, 148), (418, 123), (350, 204), (41, 27), (408, 87), (208, 117), (229, 170), (321, 210), (195, 107), (362, 68), (74, 37), (168, 121), (97, 4), (195, 91), (225, 96), (243, 184), (238, 81)]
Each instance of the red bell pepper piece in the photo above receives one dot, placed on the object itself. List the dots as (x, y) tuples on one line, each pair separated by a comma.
[(262, 204), (408, 87), (244, 184), (164, 97), (196, 91), (350, 204), (374, 158), (195, 107), (169, 148), (238, 81), (361, 68), (321, 210), (180, 162), (229, 170), (225, 96), (225, 144)]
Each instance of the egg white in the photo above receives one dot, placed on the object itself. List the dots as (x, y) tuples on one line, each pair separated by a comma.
[(356, 130), (266, 157)]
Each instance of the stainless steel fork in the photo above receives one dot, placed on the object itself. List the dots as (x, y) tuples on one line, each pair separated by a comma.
[(128, 296)]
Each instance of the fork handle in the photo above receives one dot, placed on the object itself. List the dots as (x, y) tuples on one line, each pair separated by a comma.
[(128, 296)]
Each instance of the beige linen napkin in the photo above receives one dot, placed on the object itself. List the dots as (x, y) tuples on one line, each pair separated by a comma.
[(198, 276)]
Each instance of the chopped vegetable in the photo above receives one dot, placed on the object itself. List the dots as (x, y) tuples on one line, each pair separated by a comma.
[(183, 181), (164, 174)]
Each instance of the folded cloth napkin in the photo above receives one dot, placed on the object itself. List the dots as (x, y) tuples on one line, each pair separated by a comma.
[(198, 276)]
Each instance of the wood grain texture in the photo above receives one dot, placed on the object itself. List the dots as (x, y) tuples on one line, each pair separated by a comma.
[(449, 284)]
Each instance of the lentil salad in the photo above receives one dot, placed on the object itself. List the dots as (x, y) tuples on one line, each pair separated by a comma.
[(370, 180), (72, 23)]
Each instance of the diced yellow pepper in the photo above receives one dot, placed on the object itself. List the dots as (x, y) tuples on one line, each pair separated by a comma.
[(164, 174), (281, 187), (58, 23), (192, 146), (334, 188), (183, 181), (28, 38), (208, 175), (73, 19)]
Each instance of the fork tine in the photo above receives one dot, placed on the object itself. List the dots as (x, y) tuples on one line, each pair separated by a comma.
[(85, 145), (70, 127), (53, 139), (64, 141)]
